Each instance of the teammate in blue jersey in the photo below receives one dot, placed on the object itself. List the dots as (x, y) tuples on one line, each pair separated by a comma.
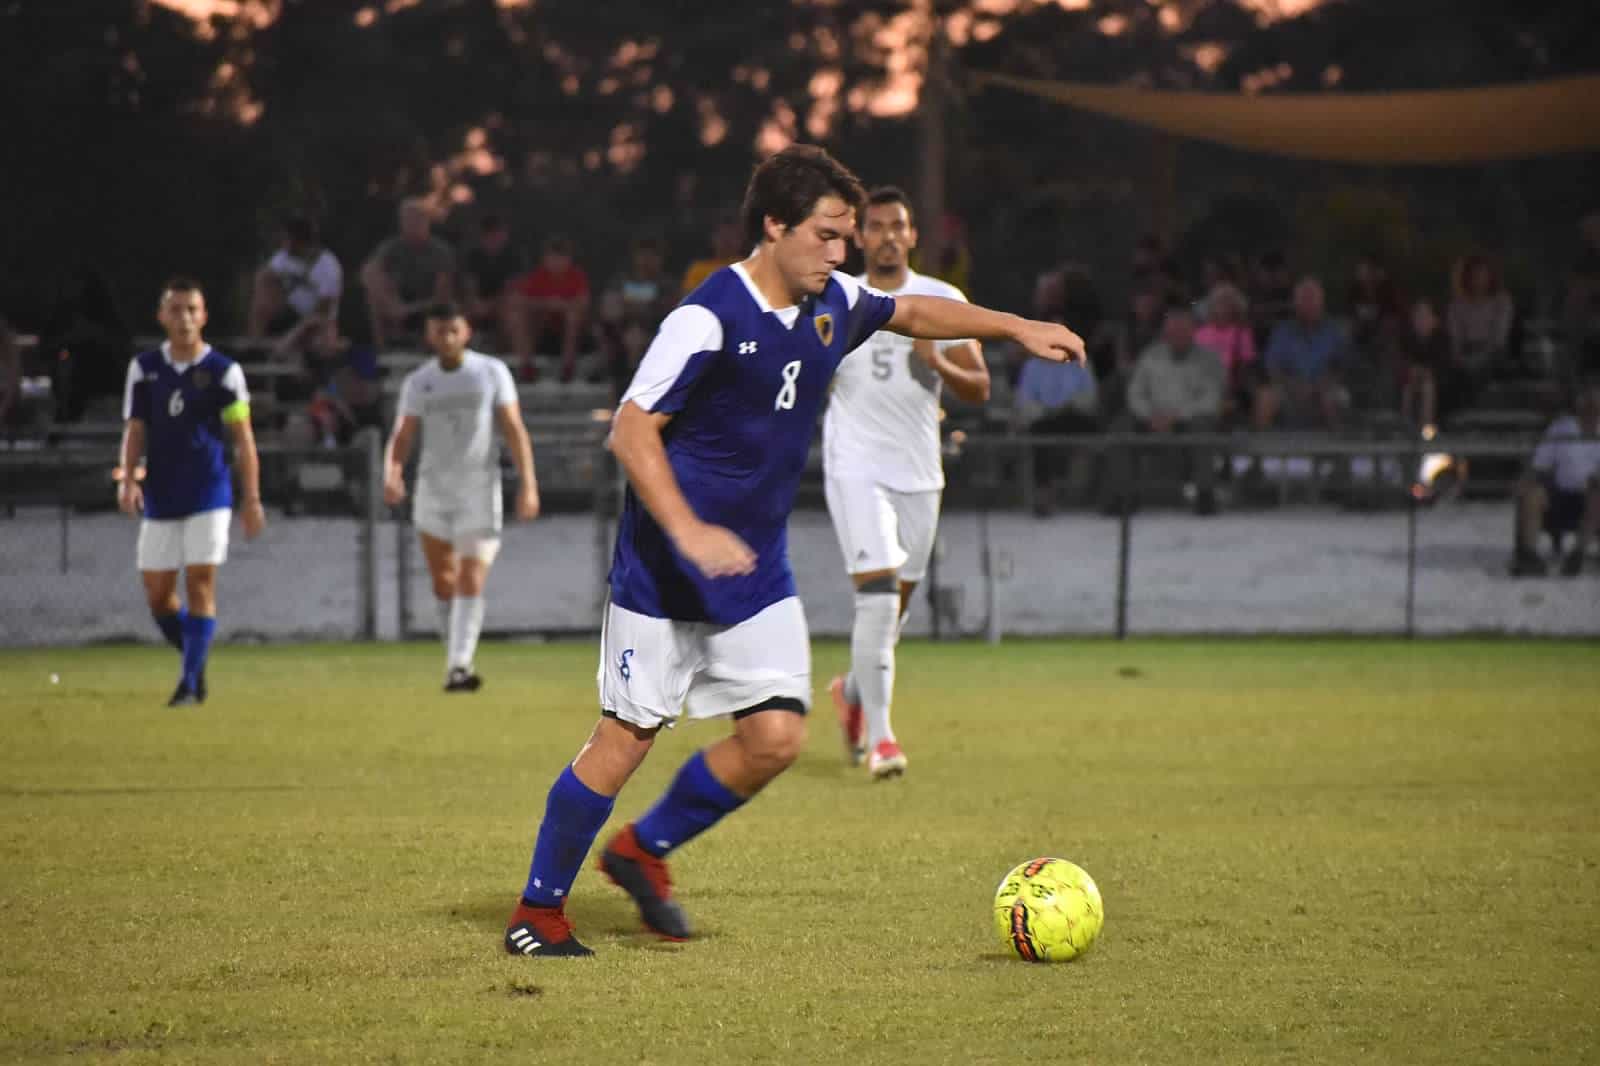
[(713, 435), (182, 400)]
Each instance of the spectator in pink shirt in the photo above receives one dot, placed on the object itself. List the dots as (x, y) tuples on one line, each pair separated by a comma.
[(1227, 332)]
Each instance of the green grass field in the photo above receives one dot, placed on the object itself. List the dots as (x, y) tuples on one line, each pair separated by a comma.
[(1309, 852)]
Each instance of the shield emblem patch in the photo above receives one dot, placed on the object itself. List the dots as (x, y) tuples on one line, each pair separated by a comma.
[(824, 324)]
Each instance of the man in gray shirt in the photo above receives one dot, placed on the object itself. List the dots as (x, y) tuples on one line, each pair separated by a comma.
[(405, 275), (1177, 387)]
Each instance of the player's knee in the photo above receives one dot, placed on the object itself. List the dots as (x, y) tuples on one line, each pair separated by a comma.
[(775, 735), (444, 586)]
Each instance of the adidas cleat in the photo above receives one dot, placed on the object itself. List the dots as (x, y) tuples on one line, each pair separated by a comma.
[(645, 878), (542, 932)]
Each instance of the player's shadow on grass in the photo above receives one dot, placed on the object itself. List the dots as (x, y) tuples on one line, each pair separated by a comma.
[(605, 913)]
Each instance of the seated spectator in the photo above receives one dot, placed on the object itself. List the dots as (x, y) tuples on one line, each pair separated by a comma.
[(404, 275), (1426, 368), (1271, 294), (1303, 361), (1177, 387), (727, 246), (493, 304), (556, 295), (1057, 399), (631, 307), (348, 394), (1480, 319), (1375, 312), (1582, 311), (296, 294), (1227, 332), (87, 341), (1561, 492)]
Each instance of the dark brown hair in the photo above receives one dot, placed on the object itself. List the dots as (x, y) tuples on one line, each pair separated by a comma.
[(788, 185)]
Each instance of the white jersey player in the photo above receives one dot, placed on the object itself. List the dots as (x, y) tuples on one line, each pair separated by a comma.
[(880, 449), (456, 399)]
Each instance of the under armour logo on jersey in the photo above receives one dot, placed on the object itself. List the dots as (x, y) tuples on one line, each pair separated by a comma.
[(747, 347), (622, 665)]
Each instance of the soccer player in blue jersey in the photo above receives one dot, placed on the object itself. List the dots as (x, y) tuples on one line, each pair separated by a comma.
[(184, 402), (713, 434)]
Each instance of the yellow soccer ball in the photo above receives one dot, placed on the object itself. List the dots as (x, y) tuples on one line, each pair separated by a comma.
[(1048, 910)]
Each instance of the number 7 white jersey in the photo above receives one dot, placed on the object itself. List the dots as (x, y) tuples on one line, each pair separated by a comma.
[(882, 422)]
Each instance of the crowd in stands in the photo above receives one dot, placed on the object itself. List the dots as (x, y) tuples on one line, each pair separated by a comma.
[(1226, 345), (1237, 346)]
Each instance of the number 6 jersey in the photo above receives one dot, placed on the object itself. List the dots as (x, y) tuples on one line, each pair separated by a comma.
[(743, 383), (882, 423)]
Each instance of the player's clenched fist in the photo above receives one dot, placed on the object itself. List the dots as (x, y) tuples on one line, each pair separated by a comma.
[(130, 497), (527, 505), (1050, 340), (715, 551)]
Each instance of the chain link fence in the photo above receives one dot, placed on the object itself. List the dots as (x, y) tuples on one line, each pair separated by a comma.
[(1314, 535)]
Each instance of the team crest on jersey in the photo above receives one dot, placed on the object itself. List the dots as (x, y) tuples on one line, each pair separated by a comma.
[(202, 378), (824, 324)]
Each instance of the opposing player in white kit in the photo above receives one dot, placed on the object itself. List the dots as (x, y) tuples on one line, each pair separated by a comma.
[(456, 399), (883, 474)]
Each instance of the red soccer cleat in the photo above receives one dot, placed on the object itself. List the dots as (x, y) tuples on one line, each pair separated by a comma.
[(544, 931), (851, 723), (645, 878), (886, 760)]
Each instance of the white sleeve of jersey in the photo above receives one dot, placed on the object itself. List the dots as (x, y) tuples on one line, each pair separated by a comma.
[(409, 404), (505, 386), (685, 333), (327, 276), (135, 375), (233, 381)]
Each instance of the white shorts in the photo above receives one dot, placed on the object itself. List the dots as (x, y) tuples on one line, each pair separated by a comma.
[(174, 543), (881, 529), (651, 667), (470, 522)]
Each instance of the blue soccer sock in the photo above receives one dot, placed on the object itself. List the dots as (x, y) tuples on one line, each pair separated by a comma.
[(573, 815), (171, 626), (197, 633), (694, 802)]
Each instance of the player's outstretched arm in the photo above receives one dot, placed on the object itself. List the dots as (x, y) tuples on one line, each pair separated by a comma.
[(636, 442), (130, 496), (935, 318), (509, 415), (251, 513), (395, 454)]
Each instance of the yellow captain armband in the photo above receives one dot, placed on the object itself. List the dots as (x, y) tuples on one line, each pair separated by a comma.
[(237, 411)]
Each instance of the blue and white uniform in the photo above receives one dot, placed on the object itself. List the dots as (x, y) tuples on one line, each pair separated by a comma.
[(188, 489), (744, 383)]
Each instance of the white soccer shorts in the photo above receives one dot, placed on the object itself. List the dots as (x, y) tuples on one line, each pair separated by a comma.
[(652, 668), (174, 543), (470, 522), (881, 529)]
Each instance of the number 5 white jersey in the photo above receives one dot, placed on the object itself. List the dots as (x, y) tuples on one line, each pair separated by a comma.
[(456, 409), (882, 422)]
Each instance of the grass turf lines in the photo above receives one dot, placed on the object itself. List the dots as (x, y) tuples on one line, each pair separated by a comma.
[(1310, 851)]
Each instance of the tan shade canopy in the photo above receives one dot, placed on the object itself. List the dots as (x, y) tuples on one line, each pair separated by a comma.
[(1443, 127)]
